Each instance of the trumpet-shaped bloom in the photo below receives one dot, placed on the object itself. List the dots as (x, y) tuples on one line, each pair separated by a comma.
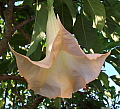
[(65, 69)]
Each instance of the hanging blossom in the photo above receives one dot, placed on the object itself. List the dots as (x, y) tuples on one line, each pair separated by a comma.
[(65, 69)]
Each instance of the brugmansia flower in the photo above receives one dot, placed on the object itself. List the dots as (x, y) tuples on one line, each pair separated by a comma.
[(65, 69)]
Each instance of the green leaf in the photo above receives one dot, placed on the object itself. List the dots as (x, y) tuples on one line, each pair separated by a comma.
[(97, 85), (69, 4), (95, 9), (4, 66), (104, 78), (1, 92), (114, 59), (12, 65), (86, 35), (111, 45), (36, 55), (58, 103), (116, 5), (1, 102), (65, 16), (116, 51), (115, 62), (116, 79), (113, 16), (28, 2), (39, 29), (18, 39), (111, 26), (115, 66)]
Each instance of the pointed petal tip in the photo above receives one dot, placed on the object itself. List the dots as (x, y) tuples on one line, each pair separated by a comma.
[(95, 56), (58, 17), (108, 52), (14, 52), (59, 21)]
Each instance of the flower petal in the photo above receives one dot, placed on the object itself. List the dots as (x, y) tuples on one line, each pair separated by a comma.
[(64, 71), (51, 30)]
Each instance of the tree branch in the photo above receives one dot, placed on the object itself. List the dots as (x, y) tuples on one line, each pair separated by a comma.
[(16, 92), (23, 23), (9, 29), (11, 77), (37, 102), (25, 35), (22, 31), (8, 26)]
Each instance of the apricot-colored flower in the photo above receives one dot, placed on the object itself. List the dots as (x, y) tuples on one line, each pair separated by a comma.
[(65, 69)]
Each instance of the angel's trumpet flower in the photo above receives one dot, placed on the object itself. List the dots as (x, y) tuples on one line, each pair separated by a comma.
[(65, 69)]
